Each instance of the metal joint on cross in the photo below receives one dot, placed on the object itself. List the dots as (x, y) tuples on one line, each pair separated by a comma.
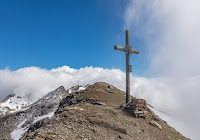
[(128, 49)]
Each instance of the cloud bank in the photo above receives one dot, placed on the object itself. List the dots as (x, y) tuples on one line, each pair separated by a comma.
[(171, 30), (34, 82)]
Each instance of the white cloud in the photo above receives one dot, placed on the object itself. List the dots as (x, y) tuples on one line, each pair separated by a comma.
[(34, 82), (171, 30)]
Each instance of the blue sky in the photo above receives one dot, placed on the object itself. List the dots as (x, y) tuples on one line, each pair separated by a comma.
[(77, 33)]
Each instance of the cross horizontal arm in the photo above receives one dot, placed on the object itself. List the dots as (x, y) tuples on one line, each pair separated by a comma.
[(129, 50), (135, 51), (120, 48)]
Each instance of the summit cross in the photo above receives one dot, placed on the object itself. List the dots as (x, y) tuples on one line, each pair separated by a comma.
[(128, 49)]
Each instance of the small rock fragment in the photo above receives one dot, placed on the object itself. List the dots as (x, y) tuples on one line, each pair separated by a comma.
[(109, 86), (39, 139), (69, 126), (99, 103), (156, 124)]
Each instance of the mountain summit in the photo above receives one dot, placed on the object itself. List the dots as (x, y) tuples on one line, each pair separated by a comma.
[(88, 113)]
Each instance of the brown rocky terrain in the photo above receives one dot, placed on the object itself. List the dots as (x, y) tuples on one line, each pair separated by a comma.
[(95, 113)]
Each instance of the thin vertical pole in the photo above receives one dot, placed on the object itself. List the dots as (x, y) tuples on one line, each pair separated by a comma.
[(127, 67)]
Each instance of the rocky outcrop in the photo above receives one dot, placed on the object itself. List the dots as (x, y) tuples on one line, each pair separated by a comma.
[(137, 107)]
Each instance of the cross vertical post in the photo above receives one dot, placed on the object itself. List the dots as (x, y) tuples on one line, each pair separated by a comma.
[(127, 67), (128, 51)]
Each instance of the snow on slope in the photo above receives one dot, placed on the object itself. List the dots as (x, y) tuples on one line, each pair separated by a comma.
[(19, 131), (49, 115), (77, 88), (13, 103)]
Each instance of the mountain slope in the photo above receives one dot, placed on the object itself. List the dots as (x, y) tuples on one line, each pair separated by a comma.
[(93, 113), (11, 125)]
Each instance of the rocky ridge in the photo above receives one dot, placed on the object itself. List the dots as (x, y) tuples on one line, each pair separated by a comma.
[(93, 113)]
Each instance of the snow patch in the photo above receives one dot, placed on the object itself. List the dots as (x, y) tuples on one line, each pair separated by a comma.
[(49, 115), (76, 89), (81, 88), (70, 91), (14, 104), (17, 133), (47, 98), (23, 109)]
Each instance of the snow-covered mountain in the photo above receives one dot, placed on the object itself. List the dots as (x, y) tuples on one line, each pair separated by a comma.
[(13, 103)]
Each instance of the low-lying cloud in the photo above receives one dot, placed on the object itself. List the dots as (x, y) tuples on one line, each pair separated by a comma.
[(34, 82), (170, 29)]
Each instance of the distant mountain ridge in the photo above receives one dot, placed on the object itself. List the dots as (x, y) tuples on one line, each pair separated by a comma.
[(14, 102)]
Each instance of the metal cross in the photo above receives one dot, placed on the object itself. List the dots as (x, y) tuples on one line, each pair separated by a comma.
[(128, 51)]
